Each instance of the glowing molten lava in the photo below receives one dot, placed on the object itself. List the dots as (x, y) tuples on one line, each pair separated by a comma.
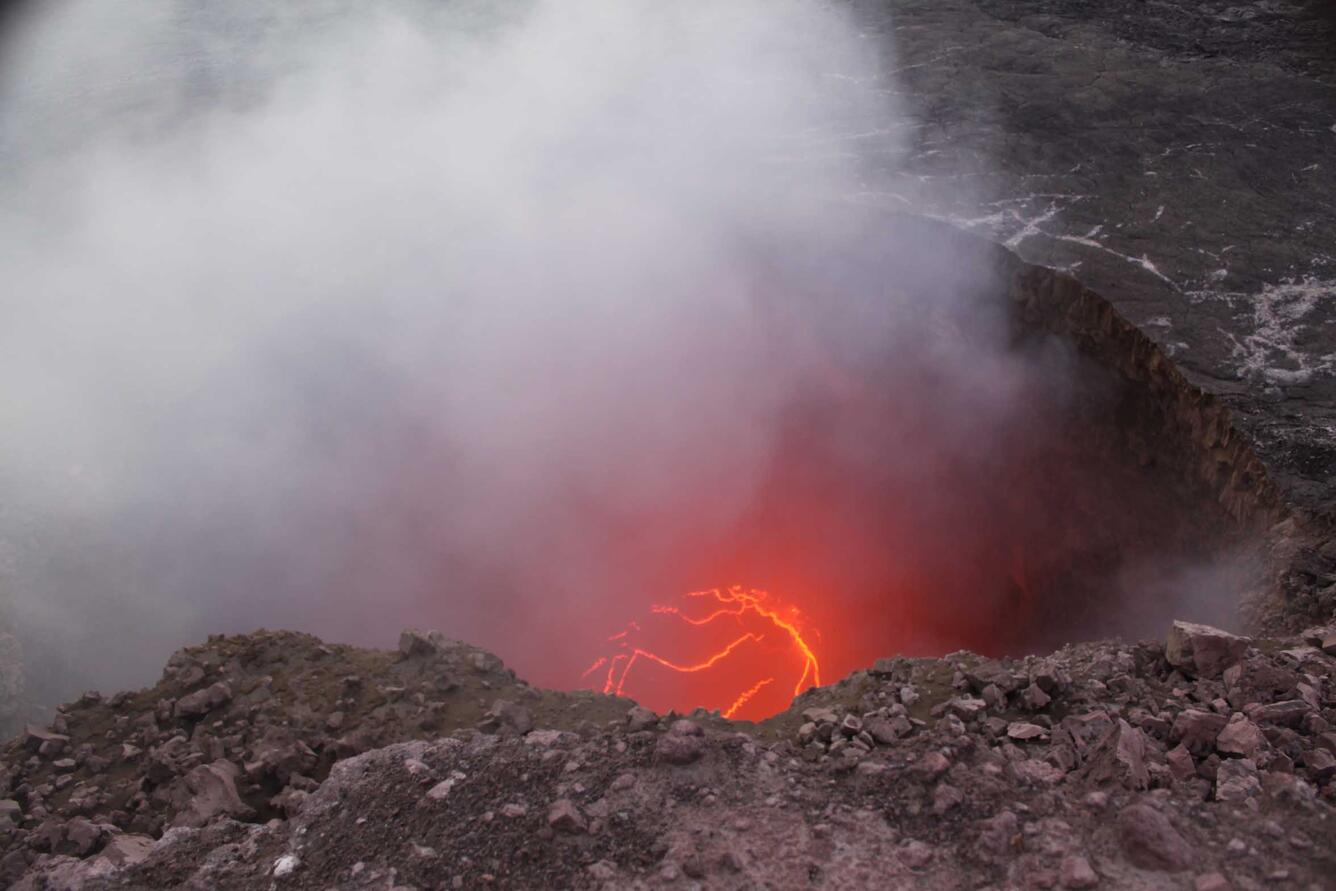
[(749, 652)]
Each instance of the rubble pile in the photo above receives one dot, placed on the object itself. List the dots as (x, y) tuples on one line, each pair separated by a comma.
[(1207, 761)]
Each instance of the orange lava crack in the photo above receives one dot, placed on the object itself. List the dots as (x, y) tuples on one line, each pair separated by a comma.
[(734, 601), (746, 697)]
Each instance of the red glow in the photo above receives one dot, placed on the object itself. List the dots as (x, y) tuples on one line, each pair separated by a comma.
[(746, 645)]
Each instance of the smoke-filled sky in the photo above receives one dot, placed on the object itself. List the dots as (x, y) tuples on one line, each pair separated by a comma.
[(500, 318)]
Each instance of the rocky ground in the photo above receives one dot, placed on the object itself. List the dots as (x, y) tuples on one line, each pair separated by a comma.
[(271, 760)]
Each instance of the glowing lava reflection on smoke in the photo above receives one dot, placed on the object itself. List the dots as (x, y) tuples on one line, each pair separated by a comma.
[(730, 649)]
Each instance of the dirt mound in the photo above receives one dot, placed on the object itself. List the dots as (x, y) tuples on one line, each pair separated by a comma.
[(272, 759)]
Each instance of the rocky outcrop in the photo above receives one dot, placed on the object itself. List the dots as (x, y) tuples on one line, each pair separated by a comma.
[(1100, 765)]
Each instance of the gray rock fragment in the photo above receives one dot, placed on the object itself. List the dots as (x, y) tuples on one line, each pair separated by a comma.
[(127, 849), (1150, 841), (1237, 780), (682, 744), (638, 719), (1240, 737), (1202, 651), (207, 792), (507, 716), (1197, 730), (1034, 698), (565, 817), (1076, 872), (201, 702)]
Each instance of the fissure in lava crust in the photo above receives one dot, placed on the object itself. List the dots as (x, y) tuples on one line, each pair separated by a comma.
[(766, 644)]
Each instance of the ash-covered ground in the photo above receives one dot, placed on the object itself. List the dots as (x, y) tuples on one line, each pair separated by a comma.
[(271, 760)]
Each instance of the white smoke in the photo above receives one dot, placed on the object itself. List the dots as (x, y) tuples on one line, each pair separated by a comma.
[(348, 317), (305, 302)]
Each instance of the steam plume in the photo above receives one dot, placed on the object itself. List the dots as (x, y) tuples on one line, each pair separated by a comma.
[(497, 318)]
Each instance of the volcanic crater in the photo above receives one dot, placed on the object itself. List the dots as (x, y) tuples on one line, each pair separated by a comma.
[(943, 643), (1115, 496)]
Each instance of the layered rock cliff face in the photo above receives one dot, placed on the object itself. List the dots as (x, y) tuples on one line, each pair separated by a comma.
[(1175, 158), (1164, 420), (1169, 168)]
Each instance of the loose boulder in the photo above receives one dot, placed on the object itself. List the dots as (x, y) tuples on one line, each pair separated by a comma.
[(1203, 651), (1151, 841), (201, 702), (205, 793)]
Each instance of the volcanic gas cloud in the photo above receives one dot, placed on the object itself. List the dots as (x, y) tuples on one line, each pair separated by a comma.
[(968, 482), (522, 321)]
